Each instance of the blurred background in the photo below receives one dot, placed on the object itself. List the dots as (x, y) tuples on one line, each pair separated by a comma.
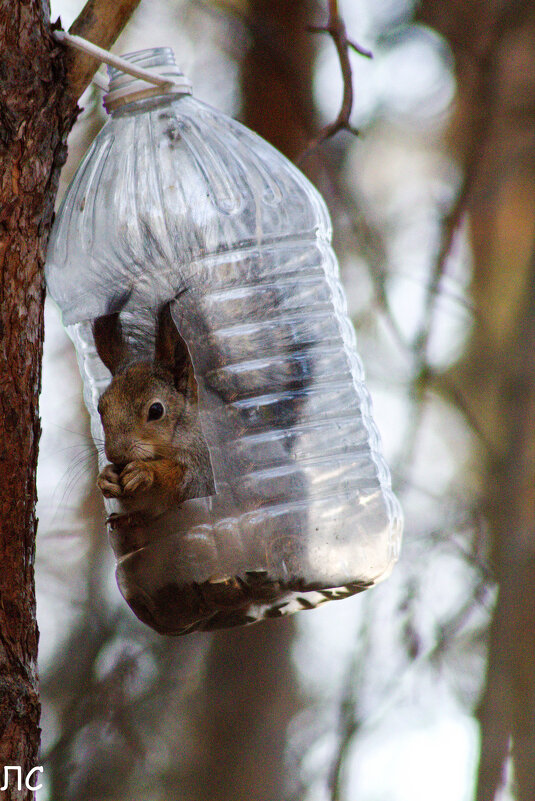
[(423, 687)]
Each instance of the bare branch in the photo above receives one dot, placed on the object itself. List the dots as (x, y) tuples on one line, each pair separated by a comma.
[(101, 22), (368, 240), (336, 29), (350, 719), (484, 100)]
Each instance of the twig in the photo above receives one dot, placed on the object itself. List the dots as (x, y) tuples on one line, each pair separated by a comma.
[(101, 22), (448, 631), (368, 241), (350, 719), (485, 99), (336, 29), (422, 373)]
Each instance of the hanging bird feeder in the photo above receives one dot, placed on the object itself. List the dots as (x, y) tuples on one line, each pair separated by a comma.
[(193, 267)]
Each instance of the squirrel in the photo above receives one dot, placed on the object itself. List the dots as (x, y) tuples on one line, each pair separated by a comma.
[(152, 433)]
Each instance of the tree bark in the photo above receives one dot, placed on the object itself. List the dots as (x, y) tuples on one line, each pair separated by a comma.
[(36, 114), (277, 71), (33, 125)]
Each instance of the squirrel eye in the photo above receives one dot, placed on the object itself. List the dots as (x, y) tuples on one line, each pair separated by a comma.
[(156, 411)]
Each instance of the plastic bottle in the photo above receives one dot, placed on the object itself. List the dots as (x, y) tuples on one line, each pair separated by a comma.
[(173, 196)]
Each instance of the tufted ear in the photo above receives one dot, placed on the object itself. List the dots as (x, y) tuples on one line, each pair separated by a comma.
[(172, 352), (109, 341)]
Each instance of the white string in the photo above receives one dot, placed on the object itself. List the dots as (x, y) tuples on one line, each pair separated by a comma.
[(108, 58)]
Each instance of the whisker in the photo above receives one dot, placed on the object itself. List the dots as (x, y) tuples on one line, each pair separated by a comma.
[(81, 434), (65, 450), (82, 464)]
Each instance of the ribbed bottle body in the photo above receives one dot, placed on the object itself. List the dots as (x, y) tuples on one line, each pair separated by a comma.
[(176, 202)]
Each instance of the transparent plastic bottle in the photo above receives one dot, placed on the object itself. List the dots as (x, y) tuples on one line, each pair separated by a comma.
[(175, 201)]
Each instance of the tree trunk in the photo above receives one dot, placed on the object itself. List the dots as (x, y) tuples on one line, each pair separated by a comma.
[(36, 114), (277, 73), (33, 124)]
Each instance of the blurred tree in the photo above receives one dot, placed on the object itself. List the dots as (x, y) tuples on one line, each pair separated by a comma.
[(494, 136), (277, 66)]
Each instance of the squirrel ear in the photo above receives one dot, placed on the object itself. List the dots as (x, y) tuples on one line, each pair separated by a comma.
[(108, 336), (172, 352)]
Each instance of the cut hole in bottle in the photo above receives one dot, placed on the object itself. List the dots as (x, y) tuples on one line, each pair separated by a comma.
[(153, 439)]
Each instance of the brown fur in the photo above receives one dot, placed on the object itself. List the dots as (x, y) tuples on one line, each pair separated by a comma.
[(159, 463)]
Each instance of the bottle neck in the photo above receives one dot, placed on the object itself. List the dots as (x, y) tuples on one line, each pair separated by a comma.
[(125, 89)]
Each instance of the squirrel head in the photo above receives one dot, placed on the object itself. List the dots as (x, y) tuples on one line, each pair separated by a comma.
[(147, 404)]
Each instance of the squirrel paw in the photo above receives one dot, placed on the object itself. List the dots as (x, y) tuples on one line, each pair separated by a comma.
[(109, 482), (137, 476)]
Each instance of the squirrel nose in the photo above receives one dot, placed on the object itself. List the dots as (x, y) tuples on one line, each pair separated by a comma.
[(117, 451)]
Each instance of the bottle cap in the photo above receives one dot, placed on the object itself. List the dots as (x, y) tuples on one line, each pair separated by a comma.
[(160, 62)]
